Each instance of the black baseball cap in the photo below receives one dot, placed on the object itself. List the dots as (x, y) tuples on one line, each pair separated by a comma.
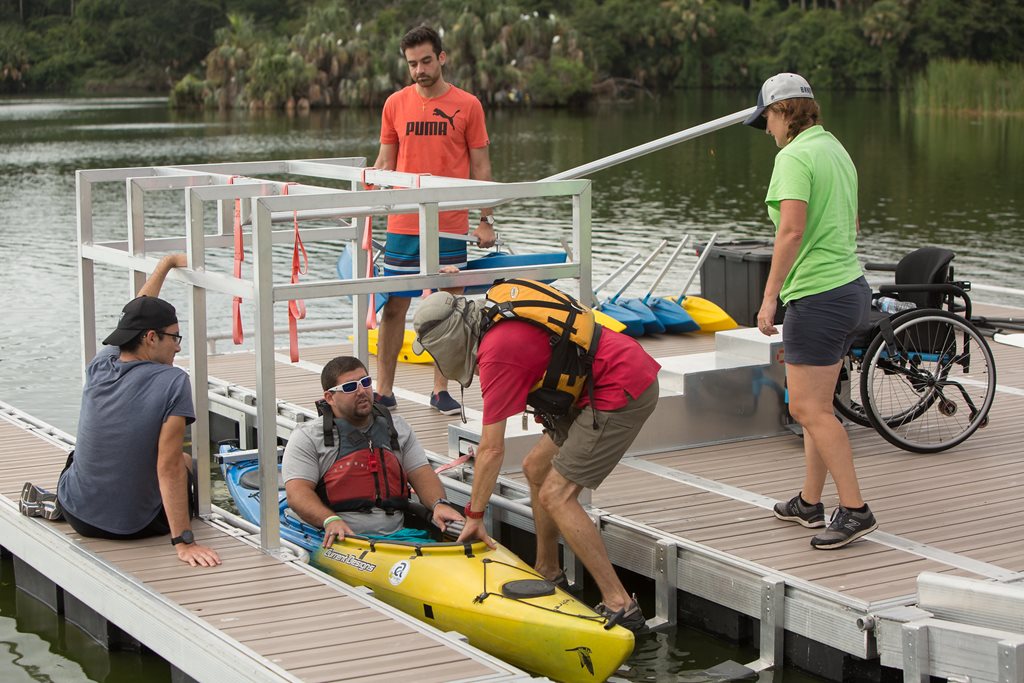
[(141, 314)]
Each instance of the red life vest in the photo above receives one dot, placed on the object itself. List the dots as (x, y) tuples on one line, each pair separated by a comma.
[(366, 474)]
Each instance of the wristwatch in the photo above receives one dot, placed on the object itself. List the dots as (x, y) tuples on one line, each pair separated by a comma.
[(489, 220), (470, 514), (445, 501), (186, 537)]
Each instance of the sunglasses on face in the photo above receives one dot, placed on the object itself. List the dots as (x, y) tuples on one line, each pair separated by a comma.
[(176, 337), (353, 385)]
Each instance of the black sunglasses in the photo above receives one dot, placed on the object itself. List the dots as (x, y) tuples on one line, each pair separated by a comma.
[(176, 337)]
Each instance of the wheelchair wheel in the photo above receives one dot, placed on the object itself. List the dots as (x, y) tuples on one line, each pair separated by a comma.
[(847, 399), (932, 386)]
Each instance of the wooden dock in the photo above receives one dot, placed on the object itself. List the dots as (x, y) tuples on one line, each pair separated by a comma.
[(697, 521), (950, 513), (255, 617)]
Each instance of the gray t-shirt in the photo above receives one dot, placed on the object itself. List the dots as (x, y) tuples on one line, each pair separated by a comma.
[(112, 483), (306, 457)]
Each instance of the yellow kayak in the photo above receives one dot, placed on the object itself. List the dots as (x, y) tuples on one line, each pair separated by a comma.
[(490, 596), (708, 315), (607, 321), (406, 355)]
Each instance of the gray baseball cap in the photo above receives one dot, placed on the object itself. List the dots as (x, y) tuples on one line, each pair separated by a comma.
[(448, 327), (784, 86)]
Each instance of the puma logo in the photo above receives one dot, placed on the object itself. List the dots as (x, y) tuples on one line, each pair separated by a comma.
[(450, 119)]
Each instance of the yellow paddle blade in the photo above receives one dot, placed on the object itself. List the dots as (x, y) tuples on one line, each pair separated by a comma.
[(406, 355), (707, 314), (605, 320)]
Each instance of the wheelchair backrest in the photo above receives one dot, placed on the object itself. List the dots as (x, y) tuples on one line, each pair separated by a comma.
[(925, 266)]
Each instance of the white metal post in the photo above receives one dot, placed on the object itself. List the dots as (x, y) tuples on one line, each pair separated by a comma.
[(136, 234), (86, 270), (198, 360), (582, 243), (266, 398), (430, 246)]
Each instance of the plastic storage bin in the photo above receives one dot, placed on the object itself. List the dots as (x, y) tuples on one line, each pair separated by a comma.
[(734, 275)]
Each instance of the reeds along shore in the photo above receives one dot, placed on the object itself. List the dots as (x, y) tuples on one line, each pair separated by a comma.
[(970, 88)]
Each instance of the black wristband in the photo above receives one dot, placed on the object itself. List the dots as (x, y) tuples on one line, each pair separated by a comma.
[(442, 500)]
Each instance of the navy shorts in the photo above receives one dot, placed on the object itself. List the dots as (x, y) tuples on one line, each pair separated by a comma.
[(402, 257), (819, 329)]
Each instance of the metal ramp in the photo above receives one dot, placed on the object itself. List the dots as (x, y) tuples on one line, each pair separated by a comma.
[(961, 629)]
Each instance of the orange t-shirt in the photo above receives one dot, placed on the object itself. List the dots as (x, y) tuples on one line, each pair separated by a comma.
[(433, 136)]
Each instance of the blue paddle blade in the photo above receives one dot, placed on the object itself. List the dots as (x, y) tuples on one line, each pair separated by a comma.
[(344, 269), (634, 325), (674, 317), (652, 325), (500, 260)]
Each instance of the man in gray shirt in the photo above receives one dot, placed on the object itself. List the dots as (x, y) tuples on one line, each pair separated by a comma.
[(128, 475), (350, 475)]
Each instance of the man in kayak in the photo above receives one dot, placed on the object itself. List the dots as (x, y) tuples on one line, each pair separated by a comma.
[(430, 127), (578, 450), (128, 476), (349, 472)]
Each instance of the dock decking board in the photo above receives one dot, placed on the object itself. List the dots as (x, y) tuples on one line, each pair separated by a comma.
[(264, 604), (912, 495), (962, 501)]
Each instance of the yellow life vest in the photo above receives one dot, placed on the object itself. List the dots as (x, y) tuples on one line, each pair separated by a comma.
[(574, 338)]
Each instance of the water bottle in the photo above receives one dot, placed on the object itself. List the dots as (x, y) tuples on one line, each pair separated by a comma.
[(886, 304)]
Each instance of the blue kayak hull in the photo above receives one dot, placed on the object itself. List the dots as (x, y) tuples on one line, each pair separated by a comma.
[(492, 260), (634, 324), (673, 316), (651, 322), (344, 269), (498, 260)]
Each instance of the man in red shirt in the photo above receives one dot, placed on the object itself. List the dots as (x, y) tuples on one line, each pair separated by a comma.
[(434, 128), (579, 450)]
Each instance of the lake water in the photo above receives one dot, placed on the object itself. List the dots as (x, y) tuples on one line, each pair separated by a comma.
[(924, 180)]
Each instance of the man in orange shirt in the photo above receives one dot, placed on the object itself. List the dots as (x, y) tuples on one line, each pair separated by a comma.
[(435, 128)]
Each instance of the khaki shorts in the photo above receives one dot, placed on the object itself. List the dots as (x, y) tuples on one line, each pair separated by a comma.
[(586, 456)]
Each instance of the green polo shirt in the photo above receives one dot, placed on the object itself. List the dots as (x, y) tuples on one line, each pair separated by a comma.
[(816, 169)]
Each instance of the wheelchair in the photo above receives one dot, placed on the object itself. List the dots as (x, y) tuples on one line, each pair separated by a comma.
[(923, 378)]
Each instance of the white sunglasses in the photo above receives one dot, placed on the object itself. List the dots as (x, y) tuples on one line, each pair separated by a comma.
[(353, 385)]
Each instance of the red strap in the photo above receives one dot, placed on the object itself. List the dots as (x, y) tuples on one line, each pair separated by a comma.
[(296, 307), (455, 463), (371, 313), (237, 334)]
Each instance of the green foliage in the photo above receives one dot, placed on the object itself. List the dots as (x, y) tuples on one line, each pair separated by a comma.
[(188, 93), (241, 53), (276, 78), (558, 82), (14, 59), (969, 88)]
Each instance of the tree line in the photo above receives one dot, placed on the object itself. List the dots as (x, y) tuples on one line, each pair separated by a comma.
[(327, 53)]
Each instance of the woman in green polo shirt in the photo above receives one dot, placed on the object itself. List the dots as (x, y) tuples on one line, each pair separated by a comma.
[(812, 200)]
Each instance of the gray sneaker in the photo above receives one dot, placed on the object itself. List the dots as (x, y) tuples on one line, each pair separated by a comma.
[(845, 527), (796, 510), (38, 502)]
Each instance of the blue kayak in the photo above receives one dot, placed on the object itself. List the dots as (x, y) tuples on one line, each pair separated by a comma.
[(491, 260), (242, 479), (652, 324), (501, 260), (633, 322), (673, 316)]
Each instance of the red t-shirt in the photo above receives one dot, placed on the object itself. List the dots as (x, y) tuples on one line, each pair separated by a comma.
[(513, 356), (433, 136)]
